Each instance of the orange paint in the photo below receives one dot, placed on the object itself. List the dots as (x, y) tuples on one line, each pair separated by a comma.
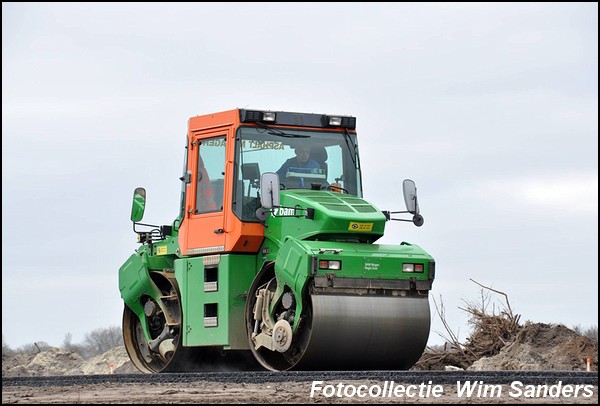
[(220, 231)]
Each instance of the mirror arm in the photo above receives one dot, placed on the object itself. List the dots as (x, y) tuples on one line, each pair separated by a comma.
[(147, 225), (135, 223), (416, 220), (388, 214)]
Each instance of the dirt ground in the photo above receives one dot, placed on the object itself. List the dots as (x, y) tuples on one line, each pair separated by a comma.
[(289, 392), (534, 347)]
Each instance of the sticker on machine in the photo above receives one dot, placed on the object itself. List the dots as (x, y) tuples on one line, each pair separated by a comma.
[(360, 226)]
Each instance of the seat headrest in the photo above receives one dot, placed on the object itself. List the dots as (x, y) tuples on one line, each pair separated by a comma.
[(319, 154)]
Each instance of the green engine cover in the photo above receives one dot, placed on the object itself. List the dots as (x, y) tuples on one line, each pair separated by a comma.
[(334, 215)]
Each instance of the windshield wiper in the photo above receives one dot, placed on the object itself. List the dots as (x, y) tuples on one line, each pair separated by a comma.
[(279, 133), (352, 149), (282, 134)]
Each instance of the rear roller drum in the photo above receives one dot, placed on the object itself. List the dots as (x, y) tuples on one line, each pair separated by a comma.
[(161, 353), (164, 352)]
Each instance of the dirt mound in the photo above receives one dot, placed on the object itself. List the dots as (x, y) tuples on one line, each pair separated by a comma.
[(540, 347), (533, 346), (115, 358), (499, 342), (57, 361), (54, 361), (16, 365)]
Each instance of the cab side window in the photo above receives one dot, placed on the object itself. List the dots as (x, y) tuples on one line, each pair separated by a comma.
[(210, 175)]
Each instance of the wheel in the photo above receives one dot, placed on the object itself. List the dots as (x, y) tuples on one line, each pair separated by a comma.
[(287, 349), (164, 352), (158, 354)]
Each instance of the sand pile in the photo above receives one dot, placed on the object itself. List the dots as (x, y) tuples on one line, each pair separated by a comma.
[(57, 361)]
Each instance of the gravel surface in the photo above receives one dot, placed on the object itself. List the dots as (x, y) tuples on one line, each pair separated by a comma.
[(308, 387), (511, 376)]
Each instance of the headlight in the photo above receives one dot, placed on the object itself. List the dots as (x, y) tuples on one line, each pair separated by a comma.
[(335, 121), (340, 121), (269, 116), (327, 264), (409, 268)]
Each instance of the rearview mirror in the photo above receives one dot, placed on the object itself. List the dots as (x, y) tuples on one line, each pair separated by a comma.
[(139, 204), (269, 190), (250, 171), (410, 196)]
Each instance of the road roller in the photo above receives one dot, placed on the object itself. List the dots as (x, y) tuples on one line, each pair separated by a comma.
[(273, 262)]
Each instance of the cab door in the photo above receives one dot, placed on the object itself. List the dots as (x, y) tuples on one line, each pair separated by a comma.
[(203, 228)]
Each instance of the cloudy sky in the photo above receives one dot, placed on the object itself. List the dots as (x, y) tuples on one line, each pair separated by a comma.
[(492, 109)]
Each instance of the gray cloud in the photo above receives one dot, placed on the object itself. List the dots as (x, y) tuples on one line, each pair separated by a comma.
[(490, 108)]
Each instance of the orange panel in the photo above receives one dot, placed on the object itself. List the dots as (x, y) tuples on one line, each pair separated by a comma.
[(243, 237), (197, 233)]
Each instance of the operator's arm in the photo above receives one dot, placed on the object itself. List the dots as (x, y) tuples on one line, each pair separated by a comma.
[(313, 164)]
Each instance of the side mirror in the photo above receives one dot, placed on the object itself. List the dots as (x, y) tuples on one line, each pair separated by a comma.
[(139, 204), (412, 204), (269, 190), (410, 196)]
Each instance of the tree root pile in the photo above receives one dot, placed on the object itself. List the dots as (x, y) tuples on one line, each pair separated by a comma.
[(499, 342)]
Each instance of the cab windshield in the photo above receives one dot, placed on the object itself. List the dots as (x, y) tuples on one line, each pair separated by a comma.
[(323, 160)]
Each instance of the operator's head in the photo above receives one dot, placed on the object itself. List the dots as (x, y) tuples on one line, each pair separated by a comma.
[(302, 154)]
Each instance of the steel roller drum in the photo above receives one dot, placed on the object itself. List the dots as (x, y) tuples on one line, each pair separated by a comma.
[(366, 332)]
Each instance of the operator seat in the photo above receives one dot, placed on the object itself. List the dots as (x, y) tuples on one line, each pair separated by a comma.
[(319, 154)]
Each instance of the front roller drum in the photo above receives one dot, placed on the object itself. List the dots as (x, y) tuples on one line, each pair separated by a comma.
[(349, 333), (366, 333)]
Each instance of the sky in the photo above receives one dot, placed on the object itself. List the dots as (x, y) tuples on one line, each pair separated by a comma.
[(491, 108)]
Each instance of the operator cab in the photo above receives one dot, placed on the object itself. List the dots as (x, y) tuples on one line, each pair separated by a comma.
[(227, 152), (316, 159)]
